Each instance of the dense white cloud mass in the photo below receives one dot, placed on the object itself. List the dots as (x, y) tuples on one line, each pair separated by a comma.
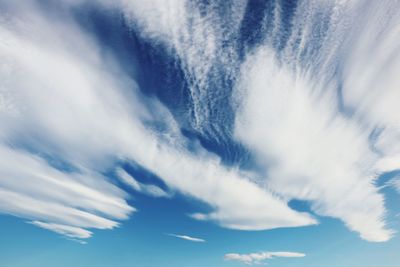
[(259, 258), (47, 92), (188, 238), (313, 150), (323, 123), (318, 154)]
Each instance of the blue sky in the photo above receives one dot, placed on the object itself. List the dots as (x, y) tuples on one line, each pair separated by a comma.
[(142, 241), (199, 133)]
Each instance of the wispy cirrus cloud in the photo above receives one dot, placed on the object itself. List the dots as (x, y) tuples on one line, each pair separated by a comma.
[(188, 238), (260, 257), (67, 230), (395, 182), (147, 189)]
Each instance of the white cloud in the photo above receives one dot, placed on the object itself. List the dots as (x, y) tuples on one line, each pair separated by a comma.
[(46, 85), (198, 36), (291, 117), (395, 182), (188, 238), (60, 97), (312, 151), (259, 258), (150, 190), (65, 100), (32, 189), (69, 231), (195, 39)]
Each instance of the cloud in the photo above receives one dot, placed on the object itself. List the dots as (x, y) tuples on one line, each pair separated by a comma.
[(238, 203), (150, 190), (200, 38), (40, 75), (313, 146), (30, 188), (312, 152), (188, 238), (259, 258), (68, 112), (321, 121), (395, 182), (69, 231), (308, 100)]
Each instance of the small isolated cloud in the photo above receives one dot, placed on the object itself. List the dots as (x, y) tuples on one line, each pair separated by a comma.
[(188, 238), (261, 257)]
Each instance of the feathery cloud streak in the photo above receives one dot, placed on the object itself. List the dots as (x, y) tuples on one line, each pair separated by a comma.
[(188, 238)]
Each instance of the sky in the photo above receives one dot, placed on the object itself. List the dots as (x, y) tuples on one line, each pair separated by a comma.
[(199, 133)]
